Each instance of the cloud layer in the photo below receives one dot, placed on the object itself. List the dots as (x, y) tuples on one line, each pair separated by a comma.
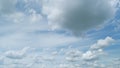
[(54, 58), (22, 24)]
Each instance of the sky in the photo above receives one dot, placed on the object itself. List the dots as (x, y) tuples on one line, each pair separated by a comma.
[(59, 33)]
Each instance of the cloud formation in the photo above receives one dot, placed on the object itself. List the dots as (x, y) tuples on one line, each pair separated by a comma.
[(55, 58), (102, 43), (17, 54), (78, 16), (92, 55), (97, 49)]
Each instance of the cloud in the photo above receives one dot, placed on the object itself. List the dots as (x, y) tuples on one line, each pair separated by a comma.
[(96, 50), (78, 16), (11, 11), (92, 55), (17, 54), (26, 26), (52, 58), (89, 56), (73, 55), (103, 43), (22, 39), (7, 6), (1, 60), (64, 66)]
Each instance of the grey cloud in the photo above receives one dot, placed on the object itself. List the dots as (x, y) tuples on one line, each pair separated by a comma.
[(7, 6), (78, 16)]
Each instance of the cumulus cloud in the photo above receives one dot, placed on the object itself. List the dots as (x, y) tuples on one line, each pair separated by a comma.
[(73, 55), (92, 55), (89, 56), (78, 16), (55, 58), (17, 54), (103, 43), (96, 50)]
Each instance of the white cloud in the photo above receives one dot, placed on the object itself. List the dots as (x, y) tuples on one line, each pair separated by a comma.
[(96, 50), (20, 17), (64, 66), (34, 17), (103, 43), (79, 15), (17, 54), (91, 55), (52, 58), (73, 55)]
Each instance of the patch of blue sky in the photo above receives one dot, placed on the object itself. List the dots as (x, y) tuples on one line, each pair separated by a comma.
[(108, 30), (113, 47), (118, 14)]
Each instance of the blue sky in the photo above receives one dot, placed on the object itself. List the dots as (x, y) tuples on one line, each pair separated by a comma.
[(59, 33)]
